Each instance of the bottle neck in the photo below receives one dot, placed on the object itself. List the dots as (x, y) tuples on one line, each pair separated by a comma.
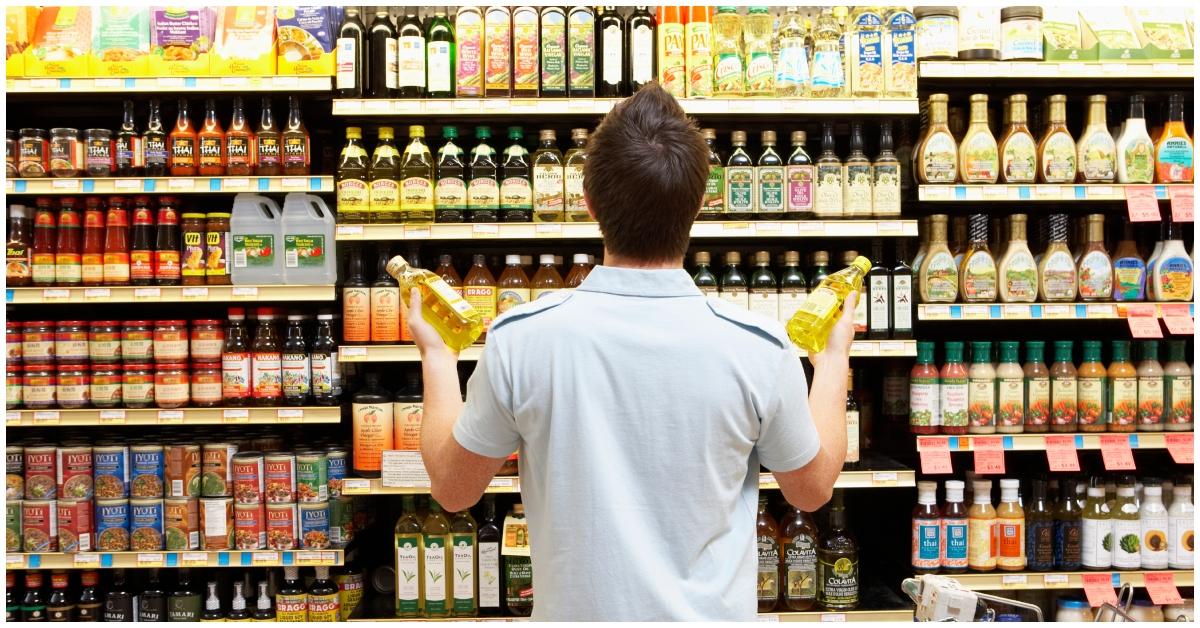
[(1058, 113), (1097, 114), (979, 112), (1018, 113), (938, 113), (1016, 230)]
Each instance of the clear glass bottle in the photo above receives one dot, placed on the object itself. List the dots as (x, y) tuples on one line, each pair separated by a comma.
[(1126, 527), (978, 156), (1153, 524), (1177, 388), (978, 274), (856, 177), (416, 178), (769, 179), (450, 191), (954, 529), (1064, 389), (830, 199), (1056, 150), (713, 207), (981, 393), (1151, 396), (548, 187), (740, 183), (885, 180), (733, 282)]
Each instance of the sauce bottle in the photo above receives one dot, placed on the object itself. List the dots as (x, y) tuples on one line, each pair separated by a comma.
[(89, 607), (18, 271), (384, 179), (1064, 389), (1153, 525), (1018, 150), (1177, 388), (167, 268), (416, 179), (981, 522), (1010, 526), (130, 155), (59, 606), (767, 543), (546, 279), (1181, 526), (829, 194), (1056, 271), (295, 363), (326, 378), (516, 191), (1037, 388), (513, 288), (981, 394), (373, 415), (1126, 527), (450, 192), (236, 361), (938, 275), (800, 174), (1056, 150), (978, 156), (1039, 529), (1018, 276), (1010, 391), (1096, 151), (1171, 269), (926, 530), (798, 547), (264, 608), (740, 201), (45, 233), (323, 601), (479, 290), (1173, 151), (212, 143), (68, 261), (154, 144), (1122, 390), (1129, 271), (141, 247), (1068, 527), (977, 273), (953, 392), (385, 303), (548, 185), (924, 414), (958, 239), (266, 361), (1091, 381), (182, 144), (733, 282), (1150, 388), (290, 599), (268, 149), (937, 152), (1135, 151), (296, 154), (353, 196), (239, 143), (356, 301), (237, 606), (954, 529)]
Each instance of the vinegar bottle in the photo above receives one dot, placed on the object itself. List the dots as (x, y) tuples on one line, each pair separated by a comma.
[(356, 301), (798, 545), (371, 409), (451, 315), (479, 290), (546, 279)]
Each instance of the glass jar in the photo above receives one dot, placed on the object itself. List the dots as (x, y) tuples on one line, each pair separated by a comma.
[(207, 339), (216, 255), (104, 342), (13, 385), (170, 341), (137, 342), (1180, 612), (37, 343), (106, 385), (74, 386), (979, 33), (137, 387), (1073, 609), (71, 342), (66, 153), (100, 158), (33, 154), (1145, 610), (40, 389), (14, 334), (192, 264), (172, 385), (206, 384), (1021, 33), (937, 32)]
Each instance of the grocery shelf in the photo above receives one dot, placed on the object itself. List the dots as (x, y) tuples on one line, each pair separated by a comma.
[(517, 107), (590, 231), (807, 616), (168, 185), (309, 415), (1002, 192), (1044, 311), (998, 581), (169, 294), (1037, 442), (1054, 70), (409, 353), (51, 85), (120, 560)]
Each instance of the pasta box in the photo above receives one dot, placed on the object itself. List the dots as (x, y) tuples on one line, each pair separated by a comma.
[(244, 44), (181, 41), (306, 38), (120, 41)]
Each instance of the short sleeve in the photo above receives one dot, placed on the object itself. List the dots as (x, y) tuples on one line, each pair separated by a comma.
[(788, 439), (487, 426)]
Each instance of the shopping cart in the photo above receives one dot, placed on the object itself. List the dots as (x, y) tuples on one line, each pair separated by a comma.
[(939, 598)]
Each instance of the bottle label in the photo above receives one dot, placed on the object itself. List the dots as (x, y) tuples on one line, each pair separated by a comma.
[(1058, 276), (323, 607), (800, 567), (980, 554), (499, 50), (183, 151), (288, 607), (573, 184), (768, 567), (857, 194), (440, 73), (981, 400), (940, 276), (980, 159), (1129, 279), (829, 190), (408, 570), (1018, 162), (1179, 400), (641, 54), (297, 374), (699, 59), (1098, 156), (1095, 276), (790, 301), (352, 194), (852, 442), (800, 188), (1153, 530), (254, 251), (469, 59), (416, 194), (902, 302), (672, 64), (1126, 544), (1090, 406), (356, 314), (516, 193), (155, 151), (267, 372), (739, 189), (827, 71), (1058, 159), (886, 190), (384, 195), (548, 190), (1037, 400), (923, 402), (1011, 401), (770, 189), (235, 375), (1139, 161), (295, 150), (1011, 543), (211, 149), (268, 150), (1122, 400), (881, 306), (141, 264), (979, 280), (1068, 544), (1020, 277), (508, 298), (1181, 526), (525, 50), (463, 548), (237, 150), (483, 193), (345, 61), (1150, 400), (764, 302), (613, 46), (581, 42), (1064, 399), (554, 52), (1039, 544), (407, 430), (435, 574), (939, 159), (489, 575), (838, 581), (450, 193), (1174, 279), (728, 74), (714, 189), (791, 74), (483, 300), (385, 314), (760, 73), (902, 73), (868, 76), (953, 401), (391, 63), (926, 543), (321, 367), (188, 607)]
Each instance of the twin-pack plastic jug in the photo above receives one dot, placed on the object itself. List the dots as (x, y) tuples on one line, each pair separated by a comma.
[(309, 256), (255, 235)]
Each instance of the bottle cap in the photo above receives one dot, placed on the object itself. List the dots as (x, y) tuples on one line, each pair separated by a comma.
[(820, 257), (799, 138), (547, 135), (703, 257), (791, 257), (512, 260), (709, 134), (386, 133), (768, 138), (483, 132), (354, 132), (762, 258), (848, 257), (416, 131), (739, 138), (579, 258), (450, 132), (545, 259), (579, 134), (732, 258)]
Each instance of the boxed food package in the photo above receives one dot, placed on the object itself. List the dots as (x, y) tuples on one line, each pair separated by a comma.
[(18, 31), (306, 38), (120, 41), (61, 41), (1062, 36), (1111, 34), (1163, 33), (245, 42), (181, 40)]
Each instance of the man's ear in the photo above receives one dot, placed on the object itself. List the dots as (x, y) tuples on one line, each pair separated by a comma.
[(587, 201)]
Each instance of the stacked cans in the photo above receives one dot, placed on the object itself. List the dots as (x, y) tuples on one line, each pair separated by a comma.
[(285, 500)]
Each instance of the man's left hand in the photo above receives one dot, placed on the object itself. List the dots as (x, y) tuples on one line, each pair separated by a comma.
[(429, 342)]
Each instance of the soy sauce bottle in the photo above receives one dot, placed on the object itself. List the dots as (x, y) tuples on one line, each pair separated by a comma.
[(152, 603), (33, 605), (118, 602), (90, 606)]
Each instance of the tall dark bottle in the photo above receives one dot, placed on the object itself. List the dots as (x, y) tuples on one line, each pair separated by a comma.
[(878, 290), (902, 293), (611, 53), (326, 379), (489, 536), (89, 606), (184, 603), (441, 57), (152, 603), (33, 605), (410, 56), (118, 602), (356, 301), (268, 144), (297, 154), (351, 59), (642, 63), (382, 61), (129, 145), (154, 144)]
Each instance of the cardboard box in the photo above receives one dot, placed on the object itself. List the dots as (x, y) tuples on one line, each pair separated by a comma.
[(1062, 36), (120, 41), (181, 40), (245, 42), (19, 23), (1163, 33), (61, 42), (1111, 34), (306, 39)]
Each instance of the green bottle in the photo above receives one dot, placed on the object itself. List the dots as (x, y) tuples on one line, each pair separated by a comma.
[(483, 188), (408, 560), (440, 55), (450, 191), (516, 189)]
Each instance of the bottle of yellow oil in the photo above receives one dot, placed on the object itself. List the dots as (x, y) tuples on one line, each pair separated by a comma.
[(810, 326), (455, 320)]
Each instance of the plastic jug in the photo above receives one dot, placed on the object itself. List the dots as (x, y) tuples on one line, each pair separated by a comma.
[(309, 256), (256, 236)]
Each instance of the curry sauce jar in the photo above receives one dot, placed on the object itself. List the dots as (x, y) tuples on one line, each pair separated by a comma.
[(170, 341), (74, 388), (13, 336), (39, 387), (137, 386), (37, 343), (74, 472), (146, 474), (71, 342), (281, 526), (104, 342), (181, 523), (74, 525), (111, 463), (249, 527)]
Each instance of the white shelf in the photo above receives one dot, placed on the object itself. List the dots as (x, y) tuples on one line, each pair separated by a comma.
[(1058, 70), (168, 185), (999, 580), (516, 107), (590, 231), (53, 85), (169, 294)]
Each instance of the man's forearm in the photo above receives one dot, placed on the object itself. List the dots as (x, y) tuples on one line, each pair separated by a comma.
[(827, 400), (443, 404)]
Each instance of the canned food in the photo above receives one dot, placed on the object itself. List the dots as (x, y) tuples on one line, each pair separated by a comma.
[(280, 472), (104, 342), (112, 525), (71, 342), (12, 524), (41, 472), (216, 470), (314, 526), (248, 478), (146, 525), (182, 470), (146, 476), (39, 526), (341, 521), (74, 525), (312, 477), (181, 523), (37, 343), (207, 340), (281, 526), (249, 527), (137, 386), (137, 342), (216, 522), (74, 472), (170, 341), (336, 459), (112, 471), (14, 472), (106, 385)]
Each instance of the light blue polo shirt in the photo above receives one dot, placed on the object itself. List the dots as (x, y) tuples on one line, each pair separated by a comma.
[(641, 409)]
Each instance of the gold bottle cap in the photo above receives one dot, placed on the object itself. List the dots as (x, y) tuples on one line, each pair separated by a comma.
[(709, 134), (799, 138), (979, 98), (848, 257), (1015, 98), (703, 257), (416, 130), (353, 133), (386, 133), (733, 257), (939, 98), (762, 257), (821, 257), (768, 138), (1098, 98), (791, 257), (579, 134), (547, 134), (739, 138)]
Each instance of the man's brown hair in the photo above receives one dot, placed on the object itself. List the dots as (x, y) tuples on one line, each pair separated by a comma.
[(644, 177)]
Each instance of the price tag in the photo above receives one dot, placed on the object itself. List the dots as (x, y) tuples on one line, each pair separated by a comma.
[(892, 348), (350, 230), (935, 192), (1056, 580), (935, 455), (181, 184), (170, 81), (1103, 310), (466, 104), (1161, 587), (496, 103), (1061, 453), (65, 184), (485, 230), (768, 617), (1048, 191), (883, 478), (14, 560), (265, 558), (127, 184), (810, 227), (975, 312), (12, 417), (234, 81), (352, 354), (96, 293), (1014, 580), (1182, 447), (1056, 311), (1099, 589), (1183, 199), (235, 184), (238, 415), (1016, 311), (1141, 309), (292, 415), (1142, 203), (835, 617), (294, 183), (193, 292), (935, 312), (1165, 68), (1144, 327), (194, 559), (891, 226), (1180, 325), (437, 106), (170, 417), (989, 454), (86, 559), (249, 292), (992, 192), (45, 417), (768, 227), (112, 417), (546, 228), (356, 486), (416, 233), (501, 483), (149, 560), (377, 106), (146, 294), (1114, 448), (55, 294), (106, 83), (403, 469)]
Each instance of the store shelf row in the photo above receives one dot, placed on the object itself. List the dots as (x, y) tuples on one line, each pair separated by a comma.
[(806, 616), (1049, 311), (169, 84), (1057, 192), (1054, 70), (1038, 442), (168, 185), (168, 294), (409, 353), (1000, 581), (517, 107), (590, 231), (123, 560), (184, 416)]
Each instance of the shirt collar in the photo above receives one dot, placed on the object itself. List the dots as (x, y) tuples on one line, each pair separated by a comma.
[(637, 282)]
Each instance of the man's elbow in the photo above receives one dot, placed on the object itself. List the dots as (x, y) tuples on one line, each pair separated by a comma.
[(451, 498), (816, 497)]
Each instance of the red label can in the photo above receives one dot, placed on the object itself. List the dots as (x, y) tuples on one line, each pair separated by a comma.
[(74, 525), (281, 526), (248, 478), (280, 471), (249, 527), (39, 526), (74, 472), (41, 472)]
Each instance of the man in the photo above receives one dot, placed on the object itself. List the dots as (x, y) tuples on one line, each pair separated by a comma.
[(641, 409)]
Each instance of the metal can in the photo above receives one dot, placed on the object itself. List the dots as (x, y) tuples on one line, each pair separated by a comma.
[(112, 525), (146, 476), (280, 472), (74, 525), (146, 525), (39, 526), (248, 478), (74, 472), (112, 471), (216, 470), (104, 342), (249, 526), (137, 342), (314, 526), (181, 523), (341, 521), (216, 523), (14, 472), (182, 470), (281, 526), (12, 524), (336, 463), (312, 476), (41, 472)]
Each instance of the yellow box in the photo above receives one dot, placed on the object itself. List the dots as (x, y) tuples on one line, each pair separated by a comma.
[(61, 42), (120, 41), (19, 23), (245, 42), (181, 40), (306, 37)]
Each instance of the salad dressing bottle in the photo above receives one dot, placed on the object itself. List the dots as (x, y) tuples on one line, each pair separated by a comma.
[(1122, 394), (977, 273), (978, 160), (1150, 389), (1010, 525), (1177, 388), (924, 392), (938, 275), (1090, 389), (981, 519), (1173, 151), (1037, 388), (936, 155), (1096, 151), (1056, 150), (958, 239), (1010, 391), (1095, 269), (1018, 273), (1018, 150), (1129, 271), (1056, 271), (1171, 269), (981, 393), (1097, 525), (954, 393), (1064, 389), (954, 525), (1181, 529), (1153, 524), (1135, 151), (1126, 528)]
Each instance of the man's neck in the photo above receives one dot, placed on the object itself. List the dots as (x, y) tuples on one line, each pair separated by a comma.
[(620, 261)]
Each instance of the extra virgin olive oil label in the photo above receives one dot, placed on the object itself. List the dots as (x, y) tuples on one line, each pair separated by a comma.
[(408, 572), (714, 190), (829, 190), (739, 189), (770, 189), (463, 572), (838, 577), (800, 567), (768, 568)]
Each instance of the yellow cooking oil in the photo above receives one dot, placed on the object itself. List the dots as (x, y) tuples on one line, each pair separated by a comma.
[(455, 320), (810, 326)]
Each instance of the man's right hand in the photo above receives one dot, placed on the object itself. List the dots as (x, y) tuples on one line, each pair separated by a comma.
[(837, 347)]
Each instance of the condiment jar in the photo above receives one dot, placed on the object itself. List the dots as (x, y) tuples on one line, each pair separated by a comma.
[(13, 385), (106, 385), (104, 342), (1144, 610), (171, 385), (33, 157), (207, 339), (937, 32), (137, 342), (37, 344), (71, 342), (170, 341), (1021, 33), (13, 337), (216, 255), (137, 386), (40, 387), (979, 33), (192, 264), (74, 386), (100, 158), (1180, 612), (1073, 609), (206, 384), (66, 153)]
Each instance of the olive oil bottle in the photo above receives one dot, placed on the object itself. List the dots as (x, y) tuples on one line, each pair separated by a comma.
[(416, 179), (463, 565), (740, 181), (837, 561), (713, 207), (455, 320), (810, 326), (407, 544), (383, 176), (435, 541), (483, 188), (516, 191), (548, 188), (576, 158), (353, 197), (450, 193)]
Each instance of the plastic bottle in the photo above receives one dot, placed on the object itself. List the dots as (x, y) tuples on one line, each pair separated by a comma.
[(812, 323), (256, 231), (981, 555), (981, 394), (451, 315), (791, 73), (1010, 528), (1172, 271), (729, 73), (1064, 389), (926, 530), (1010, 391), (1126, 529), (760, 66), (1154, 524), (1177, 388), (954, 391), (309, 255), (923, 382), (954, 529), (1097, 539), (1181, 524), (1151, 396)]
